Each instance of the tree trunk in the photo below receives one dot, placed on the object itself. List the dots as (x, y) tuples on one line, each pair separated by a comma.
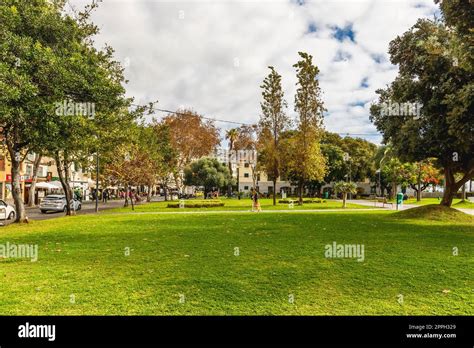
[(31, 194), (463, 195), (125, 204), (165, 192), (449, 192), (229, 187), (344, 198), (274, 191), (148, 196), (300, 193), (131, 201), (16, 186), (63, 173), (418, 190), (393, 193), (451, 186)]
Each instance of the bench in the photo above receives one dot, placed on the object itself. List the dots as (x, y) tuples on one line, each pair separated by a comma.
[(382, 200)]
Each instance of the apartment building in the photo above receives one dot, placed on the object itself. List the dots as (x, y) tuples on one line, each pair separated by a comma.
[(47, 173), (244, 174)]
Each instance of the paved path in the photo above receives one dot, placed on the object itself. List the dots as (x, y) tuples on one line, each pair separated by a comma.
[(245, 211), (401, 207), (89, 208)]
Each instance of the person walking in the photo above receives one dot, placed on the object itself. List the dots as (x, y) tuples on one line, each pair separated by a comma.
[(104, 196), (255, 203)]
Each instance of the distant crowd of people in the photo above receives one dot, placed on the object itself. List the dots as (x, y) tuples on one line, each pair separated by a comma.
[(105, 195)]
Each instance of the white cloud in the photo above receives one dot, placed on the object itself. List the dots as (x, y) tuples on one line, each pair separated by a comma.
[(212, 56)]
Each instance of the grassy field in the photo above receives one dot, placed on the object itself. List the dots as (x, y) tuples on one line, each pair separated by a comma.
[(426, 201), (182, 264), (244, 204)]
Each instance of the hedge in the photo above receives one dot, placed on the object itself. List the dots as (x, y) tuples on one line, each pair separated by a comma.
[(315, 200), (197, 204)]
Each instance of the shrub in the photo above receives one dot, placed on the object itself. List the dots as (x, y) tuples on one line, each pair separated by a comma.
[(198, 204), (312, 200)]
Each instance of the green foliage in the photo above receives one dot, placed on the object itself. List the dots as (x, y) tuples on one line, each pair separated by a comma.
[(441, 79), (303, 162), (273, 121), (315, 200), (48, 59), (308, 103), (301, 150), (345, 187), (207, 172), (209, 203)]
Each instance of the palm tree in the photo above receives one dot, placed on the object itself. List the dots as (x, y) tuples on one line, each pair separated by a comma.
[(345, 188), (231, 135)]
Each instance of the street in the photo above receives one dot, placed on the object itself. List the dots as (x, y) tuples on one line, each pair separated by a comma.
[(88, 207)]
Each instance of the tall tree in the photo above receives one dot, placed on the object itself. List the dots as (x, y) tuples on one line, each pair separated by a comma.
[(168, 165), (192, 136), (435, 70), (310, 109), (49, 61), (231, 135), (32, 34), (208, 173), (273, 121)]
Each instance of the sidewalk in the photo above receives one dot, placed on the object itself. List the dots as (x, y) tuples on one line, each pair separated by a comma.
[(88, 207), (394, 206)]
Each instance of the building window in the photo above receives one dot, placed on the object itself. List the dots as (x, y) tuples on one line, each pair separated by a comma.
[(246, 188), (29, 170), (246, 175), (246, 165)]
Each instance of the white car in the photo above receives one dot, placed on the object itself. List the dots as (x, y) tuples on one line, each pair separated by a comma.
[(57, 203), (7, 211)]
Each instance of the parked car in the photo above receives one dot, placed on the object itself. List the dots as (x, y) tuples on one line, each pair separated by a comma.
[(57, 203), (10, 212)]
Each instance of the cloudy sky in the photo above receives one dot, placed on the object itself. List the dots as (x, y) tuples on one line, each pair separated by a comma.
[(212, 56)]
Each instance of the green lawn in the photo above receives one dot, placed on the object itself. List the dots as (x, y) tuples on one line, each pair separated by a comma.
[(244, 204), (280, 255), (425, 201)]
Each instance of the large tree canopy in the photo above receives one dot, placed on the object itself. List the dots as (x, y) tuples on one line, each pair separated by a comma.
[(434, 71), (208, 173)]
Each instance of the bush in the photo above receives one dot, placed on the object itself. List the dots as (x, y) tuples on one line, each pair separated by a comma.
[(312, 200), (198, 204)]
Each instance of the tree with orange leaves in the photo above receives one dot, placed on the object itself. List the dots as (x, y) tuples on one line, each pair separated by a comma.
[(192, 137)]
